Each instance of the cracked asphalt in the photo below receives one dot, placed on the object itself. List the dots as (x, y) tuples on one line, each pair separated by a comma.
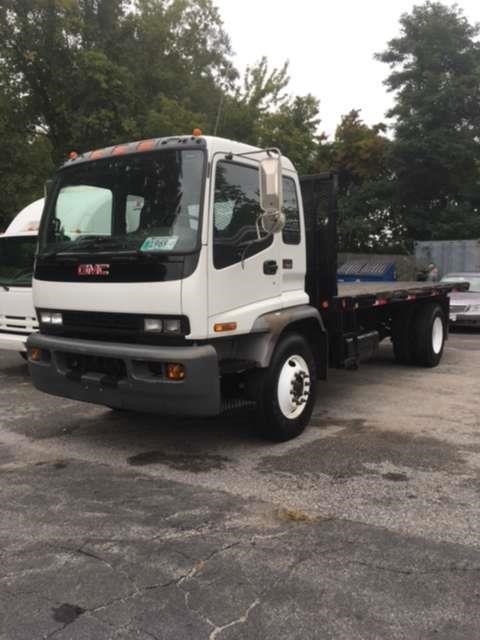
[(126, 526)]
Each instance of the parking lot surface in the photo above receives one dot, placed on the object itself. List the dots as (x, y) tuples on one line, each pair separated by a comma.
[(129, 526)]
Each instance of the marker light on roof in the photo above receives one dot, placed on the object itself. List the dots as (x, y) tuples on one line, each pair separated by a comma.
[(197, 132), (119, 150), (96, 154), (73, 155), (146, 145)]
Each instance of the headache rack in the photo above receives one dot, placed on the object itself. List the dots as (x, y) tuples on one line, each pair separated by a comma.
[(319, 194)]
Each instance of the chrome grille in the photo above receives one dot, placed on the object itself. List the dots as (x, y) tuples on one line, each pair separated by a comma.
[(458, 308)]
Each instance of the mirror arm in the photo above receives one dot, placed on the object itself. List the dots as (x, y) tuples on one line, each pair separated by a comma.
[(249, 244)]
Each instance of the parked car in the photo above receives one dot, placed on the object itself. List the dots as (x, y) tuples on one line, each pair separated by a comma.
[(465, 305)]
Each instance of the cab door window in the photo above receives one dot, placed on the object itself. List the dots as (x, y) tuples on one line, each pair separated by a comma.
[(291, 230), (235, 213)]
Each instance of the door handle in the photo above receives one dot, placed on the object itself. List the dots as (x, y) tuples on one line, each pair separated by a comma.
[(270, 267)]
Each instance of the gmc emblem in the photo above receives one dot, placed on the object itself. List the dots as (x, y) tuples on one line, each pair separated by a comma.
[(93, 270)]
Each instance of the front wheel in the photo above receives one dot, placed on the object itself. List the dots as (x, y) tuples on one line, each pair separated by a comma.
[(286, 391)]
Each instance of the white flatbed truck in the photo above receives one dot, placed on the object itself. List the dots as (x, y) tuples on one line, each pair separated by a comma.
[(210, 277)]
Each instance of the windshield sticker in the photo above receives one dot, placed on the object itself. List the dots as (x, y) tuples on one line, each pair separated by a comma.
[(159, 243)]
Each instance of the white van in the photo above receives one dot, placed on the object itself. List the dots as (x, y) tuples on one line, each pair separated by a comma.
[(17, 251)]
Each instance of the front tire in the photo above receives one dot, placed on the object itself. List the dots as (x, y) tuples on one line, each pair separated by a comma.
[(286, 390)]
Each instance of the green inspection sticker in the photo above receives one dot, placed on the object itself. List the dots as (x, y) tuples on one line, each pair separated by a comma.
[(159, 243)]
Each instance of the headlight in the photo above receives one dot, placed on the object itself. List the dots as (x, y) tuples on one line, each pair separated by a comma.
[(172, 325), (51, 317), (154, 325), (163, 325)]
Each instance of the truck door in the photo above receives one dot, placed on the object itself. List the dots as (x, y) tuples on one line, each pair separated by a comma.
[(244, 272), (292, 246)]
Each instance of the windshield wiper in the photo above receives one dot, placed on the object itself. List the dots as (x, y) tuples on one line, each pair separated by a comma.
[(86, 242)]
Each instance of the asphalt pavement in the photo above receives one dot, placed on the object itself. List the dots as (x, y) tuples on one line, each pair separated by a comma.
[(127, 526)]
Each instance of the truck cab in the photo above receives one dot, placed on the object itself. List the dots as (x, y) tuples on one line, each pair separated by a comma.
[(154, 280), (17, 250)]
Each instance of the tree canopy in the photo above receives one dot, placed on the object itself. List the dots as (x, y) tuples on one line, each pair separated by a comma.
[(435, 155), (82, 74)]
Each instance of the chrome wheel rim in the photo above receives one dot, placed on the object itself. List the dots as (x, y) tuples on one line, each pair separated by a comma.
[(437, 335), (293, 389)]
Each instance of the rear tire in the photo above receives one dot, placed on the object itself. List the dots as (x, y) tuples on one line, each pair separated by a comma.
[(429, 331), (286, 391)]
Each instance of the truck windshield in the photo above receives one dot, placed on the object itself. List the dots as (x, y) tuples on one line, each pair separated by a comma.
[(143, 202), (16, 260)]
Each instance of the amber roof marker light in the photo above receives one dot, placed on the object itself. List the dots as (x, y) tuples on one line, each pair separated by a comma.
[(73, 155), (120, 149), (146, 145), (97, 154), (197, 132)]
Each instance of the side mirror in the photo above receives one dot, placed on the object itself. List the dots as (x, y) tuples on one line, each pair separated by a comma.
[(271, 194), (272, 222)]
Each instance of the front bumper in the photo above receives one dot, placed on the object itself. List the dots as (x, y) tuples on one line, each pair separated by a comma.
[(134, 386), (465, 320), (13, 341)]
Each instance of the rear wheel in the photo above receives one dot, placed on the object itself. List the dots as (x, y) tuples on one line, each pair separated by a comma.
[(429, 334), (286, 391)]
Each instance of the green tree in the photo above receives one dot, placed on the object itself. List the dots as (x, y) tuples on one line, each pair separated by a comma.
[(261, 92), (435, 74), (179, 52), (360, 155), (93, 72), (360, 151), (77, 95), (25, 161), (293, 128)]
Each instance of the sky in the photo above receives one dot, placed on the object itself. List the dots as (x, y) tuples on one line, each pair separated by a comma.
[(330, 46)]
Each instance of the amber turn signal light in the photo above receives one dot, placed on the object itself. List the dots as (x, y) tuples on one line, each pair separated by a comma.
[(175, 371), (35, 354), (219, 327)]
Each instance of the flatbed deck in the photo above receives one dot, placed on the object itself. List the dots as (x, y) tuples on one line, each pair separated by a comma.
[(348, 289), (358, 295)]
